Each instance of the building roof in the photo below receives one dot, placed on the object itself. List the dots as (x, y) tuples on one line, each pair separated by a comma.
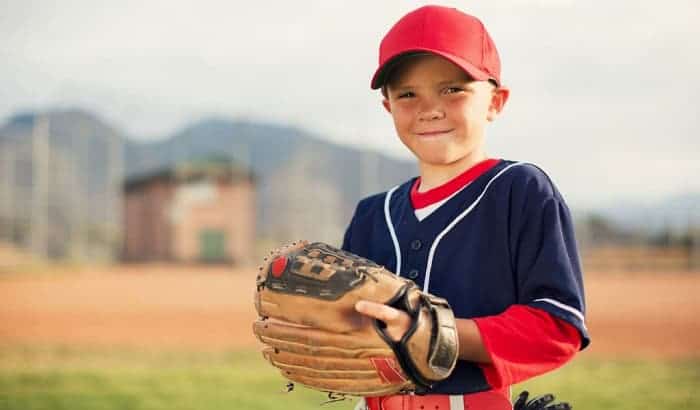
[(211, 168)]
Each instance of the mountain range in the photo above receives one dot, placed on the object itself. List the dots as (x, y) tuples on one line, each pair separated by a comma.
[(307, 186)]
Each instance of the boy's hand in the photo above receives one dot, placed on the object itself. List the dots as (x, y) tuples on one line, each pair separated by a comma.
[(397, 321)]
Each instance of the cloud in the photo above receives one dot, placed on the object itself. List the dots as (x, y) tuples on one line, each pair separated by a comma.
[(601, 91)]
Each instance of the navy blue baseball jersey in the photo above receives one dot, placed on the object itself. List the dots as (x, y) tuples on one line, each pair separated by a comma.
[(505, 239)]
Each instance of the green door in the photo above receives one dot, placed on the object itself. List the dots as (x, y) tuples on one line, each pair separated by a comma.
[(212, 245)]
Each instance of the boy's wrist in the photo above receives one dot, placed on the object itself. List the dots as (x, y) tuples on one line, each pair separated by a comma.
[(471, 344)]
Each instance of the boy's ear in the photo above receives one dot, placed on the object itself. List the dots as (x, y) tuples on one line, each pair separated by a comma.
[(387, 105), (498, 101)]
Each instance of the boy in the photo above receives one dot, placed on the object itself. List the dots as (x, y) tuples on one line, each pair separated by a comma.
[(493, 237)]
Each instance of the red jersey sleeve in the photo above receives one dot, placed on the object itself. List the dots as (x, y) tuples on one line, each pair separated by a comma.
[(524, 342)]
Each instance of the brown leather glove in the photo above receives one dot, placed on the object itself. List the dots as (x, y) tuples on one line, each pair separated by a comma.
[(305, 297)]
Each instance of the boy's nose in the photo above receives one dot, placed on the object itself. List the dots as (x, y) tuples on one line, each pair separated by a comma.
[(432, 113), (431, 109)]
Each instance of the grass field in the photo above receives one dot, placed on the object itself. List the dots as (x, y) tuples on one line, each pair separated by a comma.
[(77, 379), (179, 337)]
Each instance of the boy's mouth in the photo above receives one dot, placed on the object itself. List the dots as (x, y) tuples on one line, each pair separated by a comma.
[(433, 133)]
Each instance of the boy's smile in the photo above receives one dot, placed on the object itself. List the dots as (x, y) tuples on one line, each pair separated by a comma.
[(440, 114)]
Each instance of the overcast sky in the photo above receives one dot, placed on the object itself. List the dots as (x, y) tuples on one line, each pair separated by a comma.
[(604, 94)]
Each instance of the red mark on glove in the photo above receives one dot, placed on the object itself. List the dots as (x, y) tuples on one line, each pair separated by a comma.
[(388, 370), (278, 266)]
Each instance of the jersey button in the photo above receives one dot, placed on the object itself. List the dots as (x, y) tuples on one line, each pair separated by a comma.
[(413, 274), (416, 244)]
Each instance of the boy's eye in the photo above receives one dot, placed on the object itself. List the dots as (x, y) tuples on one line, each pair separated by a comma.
[(453, 90), (405, 94)]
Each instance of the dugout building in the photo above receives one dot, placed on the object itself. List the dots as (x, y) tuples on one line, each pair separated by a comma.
[(200, 211)]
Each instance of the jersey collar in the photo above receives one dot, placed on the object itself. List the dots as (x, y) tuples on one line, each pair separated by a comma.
[(422, 199)]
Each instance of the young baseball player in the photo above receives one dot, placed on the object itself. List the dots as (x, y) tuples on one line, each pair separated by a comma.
[(494, 237)]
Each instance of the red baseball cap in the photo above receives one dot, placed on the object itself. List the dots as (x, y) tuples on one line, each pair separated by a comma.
[(444, 31)]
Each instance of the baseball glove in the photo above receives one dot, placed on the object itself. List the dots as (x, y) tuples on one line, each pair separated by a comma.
[(305, 298), (543, 402)]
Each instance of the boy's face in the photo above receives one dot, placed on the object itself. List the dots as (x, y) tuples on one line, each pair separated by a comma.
[(439, 113)]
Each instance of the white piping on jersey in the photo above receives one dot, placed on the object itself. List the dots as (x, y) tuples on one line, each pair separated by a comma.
[(459, 217), (562, 306), (387, 216)]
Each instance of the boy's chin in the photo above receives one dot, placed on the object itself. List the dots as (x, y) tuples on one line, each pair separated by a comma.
[(437, 160), (441, 160)]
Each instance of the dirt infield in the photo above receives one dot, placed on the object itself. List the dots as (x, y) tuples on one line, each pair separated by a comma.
[(204, 308)]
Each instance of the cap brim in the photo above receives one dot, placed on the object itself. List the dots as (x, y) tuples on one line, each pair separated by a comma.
[(381, 75)]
